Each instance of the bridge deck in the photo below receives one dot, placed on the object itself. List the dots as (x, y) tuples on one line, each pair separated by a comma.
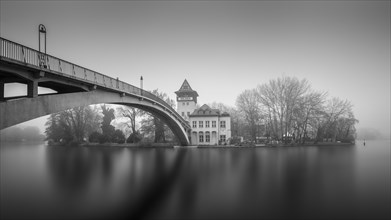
[(25, 57)]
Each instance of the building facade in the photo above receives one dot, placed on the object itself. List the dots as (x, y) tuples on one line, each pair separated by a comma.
[(208, 126)]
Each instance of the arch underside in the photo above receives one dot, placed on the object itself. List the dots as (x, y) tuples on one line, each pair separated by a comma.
[(17, 111)]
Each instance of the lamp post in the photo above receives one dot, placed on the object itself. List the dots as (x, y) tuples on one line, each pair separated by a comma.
[(42, 31), (141, 85)]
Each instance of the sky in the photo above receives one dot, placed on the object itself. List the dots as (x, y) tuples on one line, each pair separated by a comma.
[(221, 47)]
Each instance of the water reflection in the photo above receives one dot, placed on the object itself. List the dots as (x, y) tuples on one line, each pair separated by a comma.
[(160, 183), (40, 182), (144, 176)]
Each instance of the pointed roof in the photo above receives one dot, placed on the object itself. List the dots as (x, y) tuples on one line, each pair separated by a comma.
[(186, 88)]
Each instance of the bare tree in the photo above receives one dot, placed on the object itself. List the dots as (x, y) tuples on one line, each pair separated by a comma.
[(291, 111), (129, 117), (309, 109), (247, 104), (334, 110), (281, 98), (346, 131)]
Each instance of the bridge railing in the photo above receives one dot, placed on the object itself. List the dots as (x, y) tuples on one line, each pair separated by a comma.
[(29, 56)]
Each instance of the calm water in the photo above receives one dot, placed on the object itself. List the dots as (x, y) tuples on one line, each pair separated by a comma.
[(41, 182)]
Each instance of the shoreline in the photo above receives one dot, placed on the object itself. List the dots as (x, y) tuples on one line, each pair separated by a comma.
[(115, 145), (172, 145), (330, 144)]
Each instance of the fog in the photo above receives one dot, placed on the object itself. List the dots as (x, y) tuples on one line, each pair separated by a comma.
[(221, 48)]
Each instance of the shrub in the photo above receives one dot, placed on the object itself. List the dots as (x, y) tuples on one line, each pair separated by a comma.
[(103, 138), (94, 137), (118, 137), (134, 138)]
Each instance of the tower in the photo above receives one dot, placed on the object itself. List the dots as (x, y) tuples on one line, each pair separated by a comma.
[(186, 99)]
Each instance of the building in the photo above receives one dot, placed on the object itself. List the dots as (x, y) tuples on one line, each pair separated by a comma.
[(208, 126), (186, 99)]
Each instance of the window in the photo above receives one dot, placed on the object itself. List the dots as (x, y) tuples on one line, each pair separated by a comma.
[(201, 137), (183, 114), (183, 103), (188, 113), (222, 138), (207, 137), (213, 124), (194, 124), (206, 124), (222, 124), (187, 103), (201, 124)]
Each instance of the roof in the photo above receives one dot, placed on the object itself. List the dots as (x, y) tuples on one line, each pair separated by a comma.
[(186, 88), (205, 110), (225, 114)]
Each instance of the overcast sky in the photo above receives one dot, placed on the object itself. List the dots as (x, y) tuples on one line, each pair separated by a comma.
[(221, 48)]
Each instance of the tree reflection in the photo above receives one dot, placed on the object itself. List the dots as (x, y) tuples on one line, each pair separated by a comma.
[(164, 177), (70, 168)]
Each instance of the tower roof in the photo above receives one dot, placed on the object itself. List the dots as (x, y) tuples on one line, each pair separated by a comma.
[(186, 88)]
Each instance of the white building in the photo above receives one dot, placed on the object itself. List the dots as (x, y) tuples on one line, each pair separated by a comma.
[(208, 126)]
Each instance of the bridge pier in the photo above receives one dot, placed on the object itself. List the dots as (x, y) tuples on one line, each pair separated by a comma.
[(32, 89), (1, 91)]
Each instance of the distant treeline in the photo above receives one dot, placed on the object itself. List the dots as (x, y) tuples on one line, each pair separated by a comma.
[(288, 109), (17, 134)]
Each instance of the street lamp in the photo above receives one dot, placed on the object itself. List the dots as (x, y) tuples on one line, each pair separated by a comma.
[(141, 85), (42, 31)]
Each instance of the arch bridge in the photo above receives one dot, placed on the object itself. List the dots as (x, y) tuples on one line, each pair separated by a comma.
[(75, 86)]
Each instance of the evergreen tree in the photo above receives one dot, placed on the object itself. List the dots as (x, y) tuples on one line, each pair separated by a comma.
[(118, 137), (108, 116)]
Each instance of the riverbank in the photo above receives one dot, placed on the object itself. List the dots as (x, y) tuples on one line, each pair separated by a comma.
[(278, 145), (124, 145), (311, 144), (173, 145)]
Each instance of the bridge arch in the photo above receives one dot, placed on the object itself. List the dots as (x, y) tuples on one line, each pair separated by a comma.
[(75, 86), (20, 110)]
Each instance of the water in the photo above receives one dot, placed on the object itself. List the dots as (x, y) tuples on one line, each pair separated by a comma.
[(337, 182)]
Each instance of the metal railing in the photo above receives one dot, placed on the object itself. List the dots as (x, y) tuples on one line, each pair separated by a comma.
[(29, 56)]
